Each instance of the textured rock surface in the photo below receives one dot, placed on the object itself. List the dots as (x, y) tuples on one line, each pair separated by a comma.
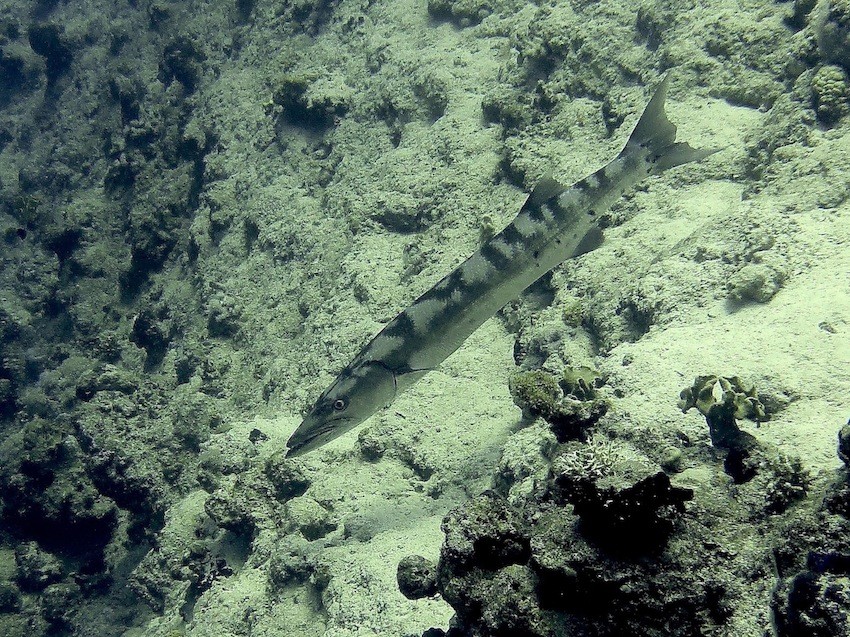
[(206, 209)]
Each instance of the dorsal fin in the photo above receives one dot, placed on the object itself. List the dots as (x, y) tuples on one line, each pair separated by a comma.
[(545, 189)]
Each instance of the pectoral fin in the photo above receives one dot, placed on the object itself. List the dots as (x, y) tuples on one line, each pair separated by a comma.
[(404, 379), (545, 189)]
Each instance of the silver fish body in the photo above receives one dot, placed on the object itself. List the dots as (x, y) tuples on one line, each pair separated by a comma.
[(555, 223)]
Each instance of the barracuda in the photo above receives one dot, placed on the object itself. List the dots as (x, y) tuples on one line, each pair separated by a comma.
[(555, 223)]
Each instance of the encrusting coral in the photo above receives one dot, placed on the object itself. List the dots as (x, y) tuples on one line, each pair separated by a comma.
[(830, 93), (570, 404)]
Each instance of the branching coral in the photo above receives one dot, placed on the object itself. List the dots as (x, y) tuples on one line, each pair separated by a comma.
[(594, 459)]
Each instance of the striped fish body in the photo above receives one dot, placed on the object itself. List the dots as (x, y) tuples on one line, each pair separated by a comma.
[(555, 223)]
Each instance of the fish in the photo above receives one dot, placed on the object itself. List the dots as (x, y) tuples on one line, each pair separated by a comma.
[(555, 223)]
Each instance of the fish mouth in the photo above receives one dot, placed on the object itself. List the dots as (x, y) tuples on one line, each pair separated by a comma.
[(297, 449), (307, 438)]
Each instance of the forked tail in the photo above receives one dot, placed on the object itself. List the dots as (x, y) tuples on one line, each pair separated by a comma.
[(657, 134)]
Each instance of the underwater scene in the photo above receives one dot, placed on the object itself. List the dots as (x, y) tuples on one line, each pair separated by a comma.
[(419, 318)]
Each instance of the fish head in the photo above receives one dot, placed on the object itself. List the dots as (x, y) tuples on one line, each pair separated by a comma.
[(358, 392)]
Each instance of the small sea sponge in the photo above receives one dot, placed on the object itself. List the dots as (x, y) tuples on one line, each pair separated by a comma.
[(830, 93)]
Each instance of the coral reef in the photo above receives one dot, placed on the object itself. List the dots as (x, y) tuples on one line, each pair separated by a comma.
[(831, 93), (832, 29), (572, 556), (570, 404), (542, 571), (202, 208)]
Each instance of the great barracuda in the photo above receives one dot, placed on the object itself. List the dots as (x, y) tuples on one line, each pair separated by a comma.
[(555, 223)]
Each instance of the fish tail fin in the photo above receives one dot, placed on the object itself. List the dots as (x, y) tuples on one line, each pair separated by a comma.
[(657, 135)]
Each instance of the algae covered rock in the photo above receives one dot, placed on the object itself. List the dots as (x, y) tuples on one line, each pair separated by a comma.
[(844, 444), (509, 604), (230, 510), (289, 562), (313, 520), (107, 378), (535, 392), (482, 570), (570, 404), (832, 30), (484, 533), (838, 498), (37, 568), (830, 93), (287, 477), (757, 282), (622, 498), (464, 13), (45, 487), (10, 597), (510, 107), (417, 577), (817, 604), (813, 595), (59, 603)]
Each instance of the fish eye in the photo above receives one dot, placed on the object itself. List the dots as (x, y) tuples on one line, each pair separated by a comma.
[(339, 404)]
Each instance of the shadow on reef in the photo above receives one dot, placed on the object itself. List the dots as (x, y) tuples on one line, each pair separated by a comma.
[(812, 598), (604, 545), (540, 570)]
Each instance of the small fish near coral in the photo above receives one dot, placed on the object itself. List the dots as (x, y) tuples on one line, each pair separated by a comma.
[(555, 223)]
